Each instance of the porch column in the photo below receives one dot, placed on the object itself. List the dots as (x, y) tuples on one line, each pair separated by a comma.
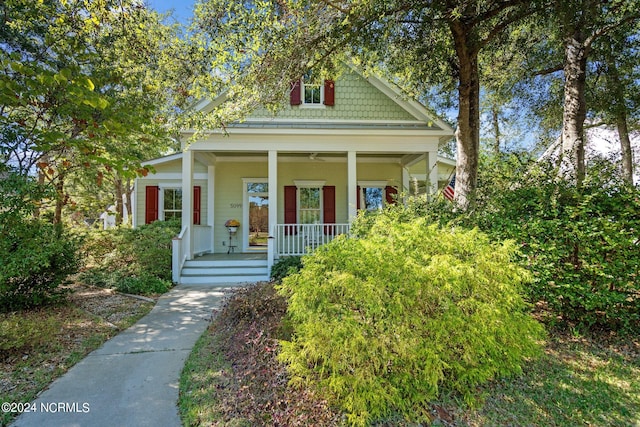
[(211, 177), (352, 186), (273, 207), (406, 184), (432, 173), (187, 201)]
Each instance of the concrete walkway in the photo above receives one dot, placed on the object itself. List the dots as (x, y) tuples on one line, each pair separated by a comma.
[(132, 380)]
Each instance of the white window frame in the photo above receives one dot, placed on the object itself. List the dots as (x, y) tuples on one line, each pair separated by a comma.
[(245, 211), (372, 184), (303, 90), (162, 188), (309, 184)]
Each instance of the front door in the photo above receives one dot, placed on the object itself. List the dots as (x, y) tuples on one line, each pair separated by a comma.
[(256, 214)]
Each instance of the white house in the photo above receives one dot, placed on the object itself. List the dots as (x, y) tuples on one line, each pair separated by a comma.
[(601, 141), (293, 181)]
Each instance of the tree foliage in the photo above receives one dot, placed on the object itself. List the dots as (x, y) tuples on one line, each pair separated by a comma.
[(579, 243), (574, 58), (35, 256), (265, 45), (86, 94), (614, 87), (84, 88)]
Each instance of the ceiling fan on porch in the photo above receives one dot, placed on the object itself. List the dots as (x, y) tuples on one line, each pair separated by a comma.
[(314, 157)]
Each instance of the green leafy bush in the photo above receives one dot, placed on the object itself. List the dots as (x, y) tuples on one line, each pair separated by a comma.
[(582, 245), (385, 321), (145, 284), (285, 267), (35, 256), (132, 260)]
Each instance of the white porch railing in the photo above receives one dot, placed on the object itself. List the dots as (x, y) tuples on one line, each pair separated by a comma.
[(202, 239), (298, 239), (178, 255), (202, 243)]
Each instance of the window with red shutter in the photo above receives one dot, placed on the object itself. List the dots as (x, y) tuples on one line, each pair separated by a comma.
[(290, 209), (391, 195), (295, 95), (329, 208), (197, 192), (329, 93), (151, 204)]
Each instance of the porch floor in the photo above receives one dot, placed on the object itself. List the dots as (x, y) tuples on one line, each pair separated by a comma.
[(261, 256)]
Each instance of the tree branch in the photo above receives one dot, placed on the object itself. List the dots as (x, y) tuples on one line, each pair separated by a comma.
[(604, 30), (508, 20), (337, 7), (491, 13), (550, 70)]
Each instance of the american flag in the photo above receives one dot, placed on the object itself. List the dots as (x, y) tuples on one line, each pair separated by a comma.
[(450, 189)]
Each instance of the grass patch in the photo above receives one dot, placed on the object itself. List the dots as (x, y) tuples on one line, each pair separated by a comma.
[(206, 373), (59, 337), (232, 378), (587, 380)]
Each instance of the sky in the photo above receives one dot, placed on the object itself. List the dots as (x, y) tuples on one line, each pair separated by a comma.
[(182, 9)]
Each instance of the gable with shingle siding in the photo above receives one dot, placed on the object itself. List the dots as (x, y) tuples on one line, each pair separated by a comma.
[(355, 99)]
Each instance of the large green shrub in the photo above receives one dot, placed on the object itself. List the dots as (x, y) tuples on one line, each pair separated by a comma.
[(132, 260), (384, 321), (35, 255), (581, 244)]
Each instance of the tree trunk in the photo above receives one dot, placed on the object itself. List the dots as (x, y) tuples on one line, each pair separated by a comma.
[(127, 193), (625, 145), (119, 209), (61, 199), (496, 128), (572, 166), (615, 87), (468, 130)]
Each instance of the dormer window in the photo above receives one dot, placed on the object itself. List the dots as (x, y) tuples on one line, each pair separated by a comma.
[(311, 92)]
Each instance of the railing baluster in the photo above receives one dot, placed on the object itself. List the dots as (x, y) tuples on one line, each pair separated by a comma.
[(295, 239)]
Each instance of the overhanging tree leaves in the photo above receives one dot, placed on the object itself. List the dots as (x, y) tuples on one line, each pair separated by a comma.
[(424, 43), (85, 87), (572, 28), (614, 89)]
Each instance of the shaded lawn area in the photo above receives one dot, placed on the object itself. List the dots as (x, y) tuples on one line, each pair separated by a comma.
[(592, 380), (232, 378), (48, 341)]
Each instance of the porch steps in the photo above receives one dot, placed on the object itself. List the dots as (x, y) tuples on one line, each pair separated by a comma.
[(201, 272)]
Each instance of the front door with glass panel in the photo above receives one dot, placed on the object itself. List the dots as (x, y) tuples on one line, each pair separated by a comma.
[(256, 207)]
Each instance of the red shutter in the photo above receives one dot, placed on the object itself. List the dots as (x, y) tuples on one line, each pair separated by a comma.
[(196, 204), (329, 208), (290, 209), (329, 93), (358, 197), (391, 195), (151, 204), (295, 96)]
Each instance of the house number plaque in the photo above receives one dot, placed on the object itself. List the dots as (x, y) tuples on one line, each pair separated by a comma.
[(236, 205)]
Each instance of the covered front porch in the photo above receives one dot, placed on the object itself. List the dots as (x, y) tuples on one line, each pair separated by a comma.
[(278, 189), (288, 240)]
